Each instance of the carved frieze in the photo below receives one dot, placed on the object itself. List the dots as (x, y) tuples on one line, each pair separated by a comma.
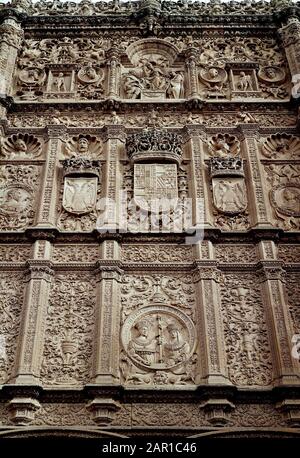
[(237, 253), (156, 253)]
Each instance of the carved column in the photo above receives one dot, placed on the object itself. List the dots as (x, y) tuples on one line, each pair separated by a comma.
[(280, 327), (290, 35), (258, 202), (113, 73), (198, 173), (106, 359), (214, 368), (49, 193), (33, 321), (192, 76), (11, 38)]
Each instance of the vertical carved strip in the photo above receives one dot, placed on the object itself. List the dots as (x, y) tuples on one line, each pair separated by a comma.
[(33, 323), (212, 335), (11, 38), (279, 323), (259, 210), (47, 213), (290, 35)]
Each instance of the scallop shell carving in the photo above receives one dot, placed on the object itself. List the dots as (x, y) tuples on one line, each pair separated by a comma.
[(83, 145), (223, 145), (281, 146), (20, 146)]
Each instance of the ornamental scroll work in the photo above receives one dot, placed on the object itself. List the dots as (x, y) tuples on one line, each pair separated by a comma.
[(228, 185), (159, 340)]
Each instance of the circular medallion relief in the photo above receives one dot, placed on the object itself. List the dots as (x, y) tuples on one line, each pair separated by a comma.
[(286, 199), (158, 337), (14, 199), (88, 75), (271, 74), (32, 76), (213, 75)]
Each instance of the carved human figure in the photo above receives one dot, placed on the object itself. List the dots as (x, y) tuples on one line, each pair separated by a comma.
[(290, 198), (83, 145), (143, 346), (175, 89), (270, 73), (245, 82), (221, 147), (20, 147), (15, 201), (176, 349), (132, 86), (59, 83)]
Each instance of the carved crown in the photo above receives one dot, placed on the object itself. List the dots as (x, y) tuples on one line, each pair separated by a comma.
[(81, 166), (155, 144), (229, 166)]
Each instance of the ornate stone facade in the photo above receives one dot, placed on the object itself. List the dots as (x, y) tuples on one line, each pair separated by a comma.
[(116, 118)]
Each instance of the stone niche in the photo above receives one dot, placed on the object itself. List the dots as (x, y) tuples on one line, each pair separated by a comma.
[(154, 73)]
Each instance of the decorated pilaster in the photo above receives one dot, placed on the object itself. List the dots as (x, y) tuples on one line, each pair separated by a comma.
[(211, 333), (199, 191), (258, 197), (286, 369), (11, 35), (106, 358), (49, 193), (39, 275)]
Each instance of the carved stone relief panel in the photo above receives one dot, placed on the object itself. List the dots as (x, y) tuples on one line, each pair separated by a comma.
[(256, 415), (246, 338), (283, 184), (235, 253), (76, 252), (152, 74), (69, 330), (289, 253), (64, 414), (61, 68), (14, 253), (168, 414), (20, 147), (223, 146), (18, 193), (158, 334), (156, 253), (293, 293), (11, 302)]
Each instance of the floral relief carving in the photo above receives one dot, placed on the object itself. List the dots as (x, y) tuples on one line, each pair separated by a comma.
[(289, 253), (155, 253), (17, 196), (293, 294), (235, 253), (256, 415), (66, 414), (69, 330), (75, 253), (14, 253), (246, 338), (11, 302), (168, 415)]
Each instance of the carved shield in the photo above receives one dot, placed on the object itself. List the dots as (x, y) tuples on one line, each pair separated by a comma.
[(80, 194), (153, 182), (229, 194)]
